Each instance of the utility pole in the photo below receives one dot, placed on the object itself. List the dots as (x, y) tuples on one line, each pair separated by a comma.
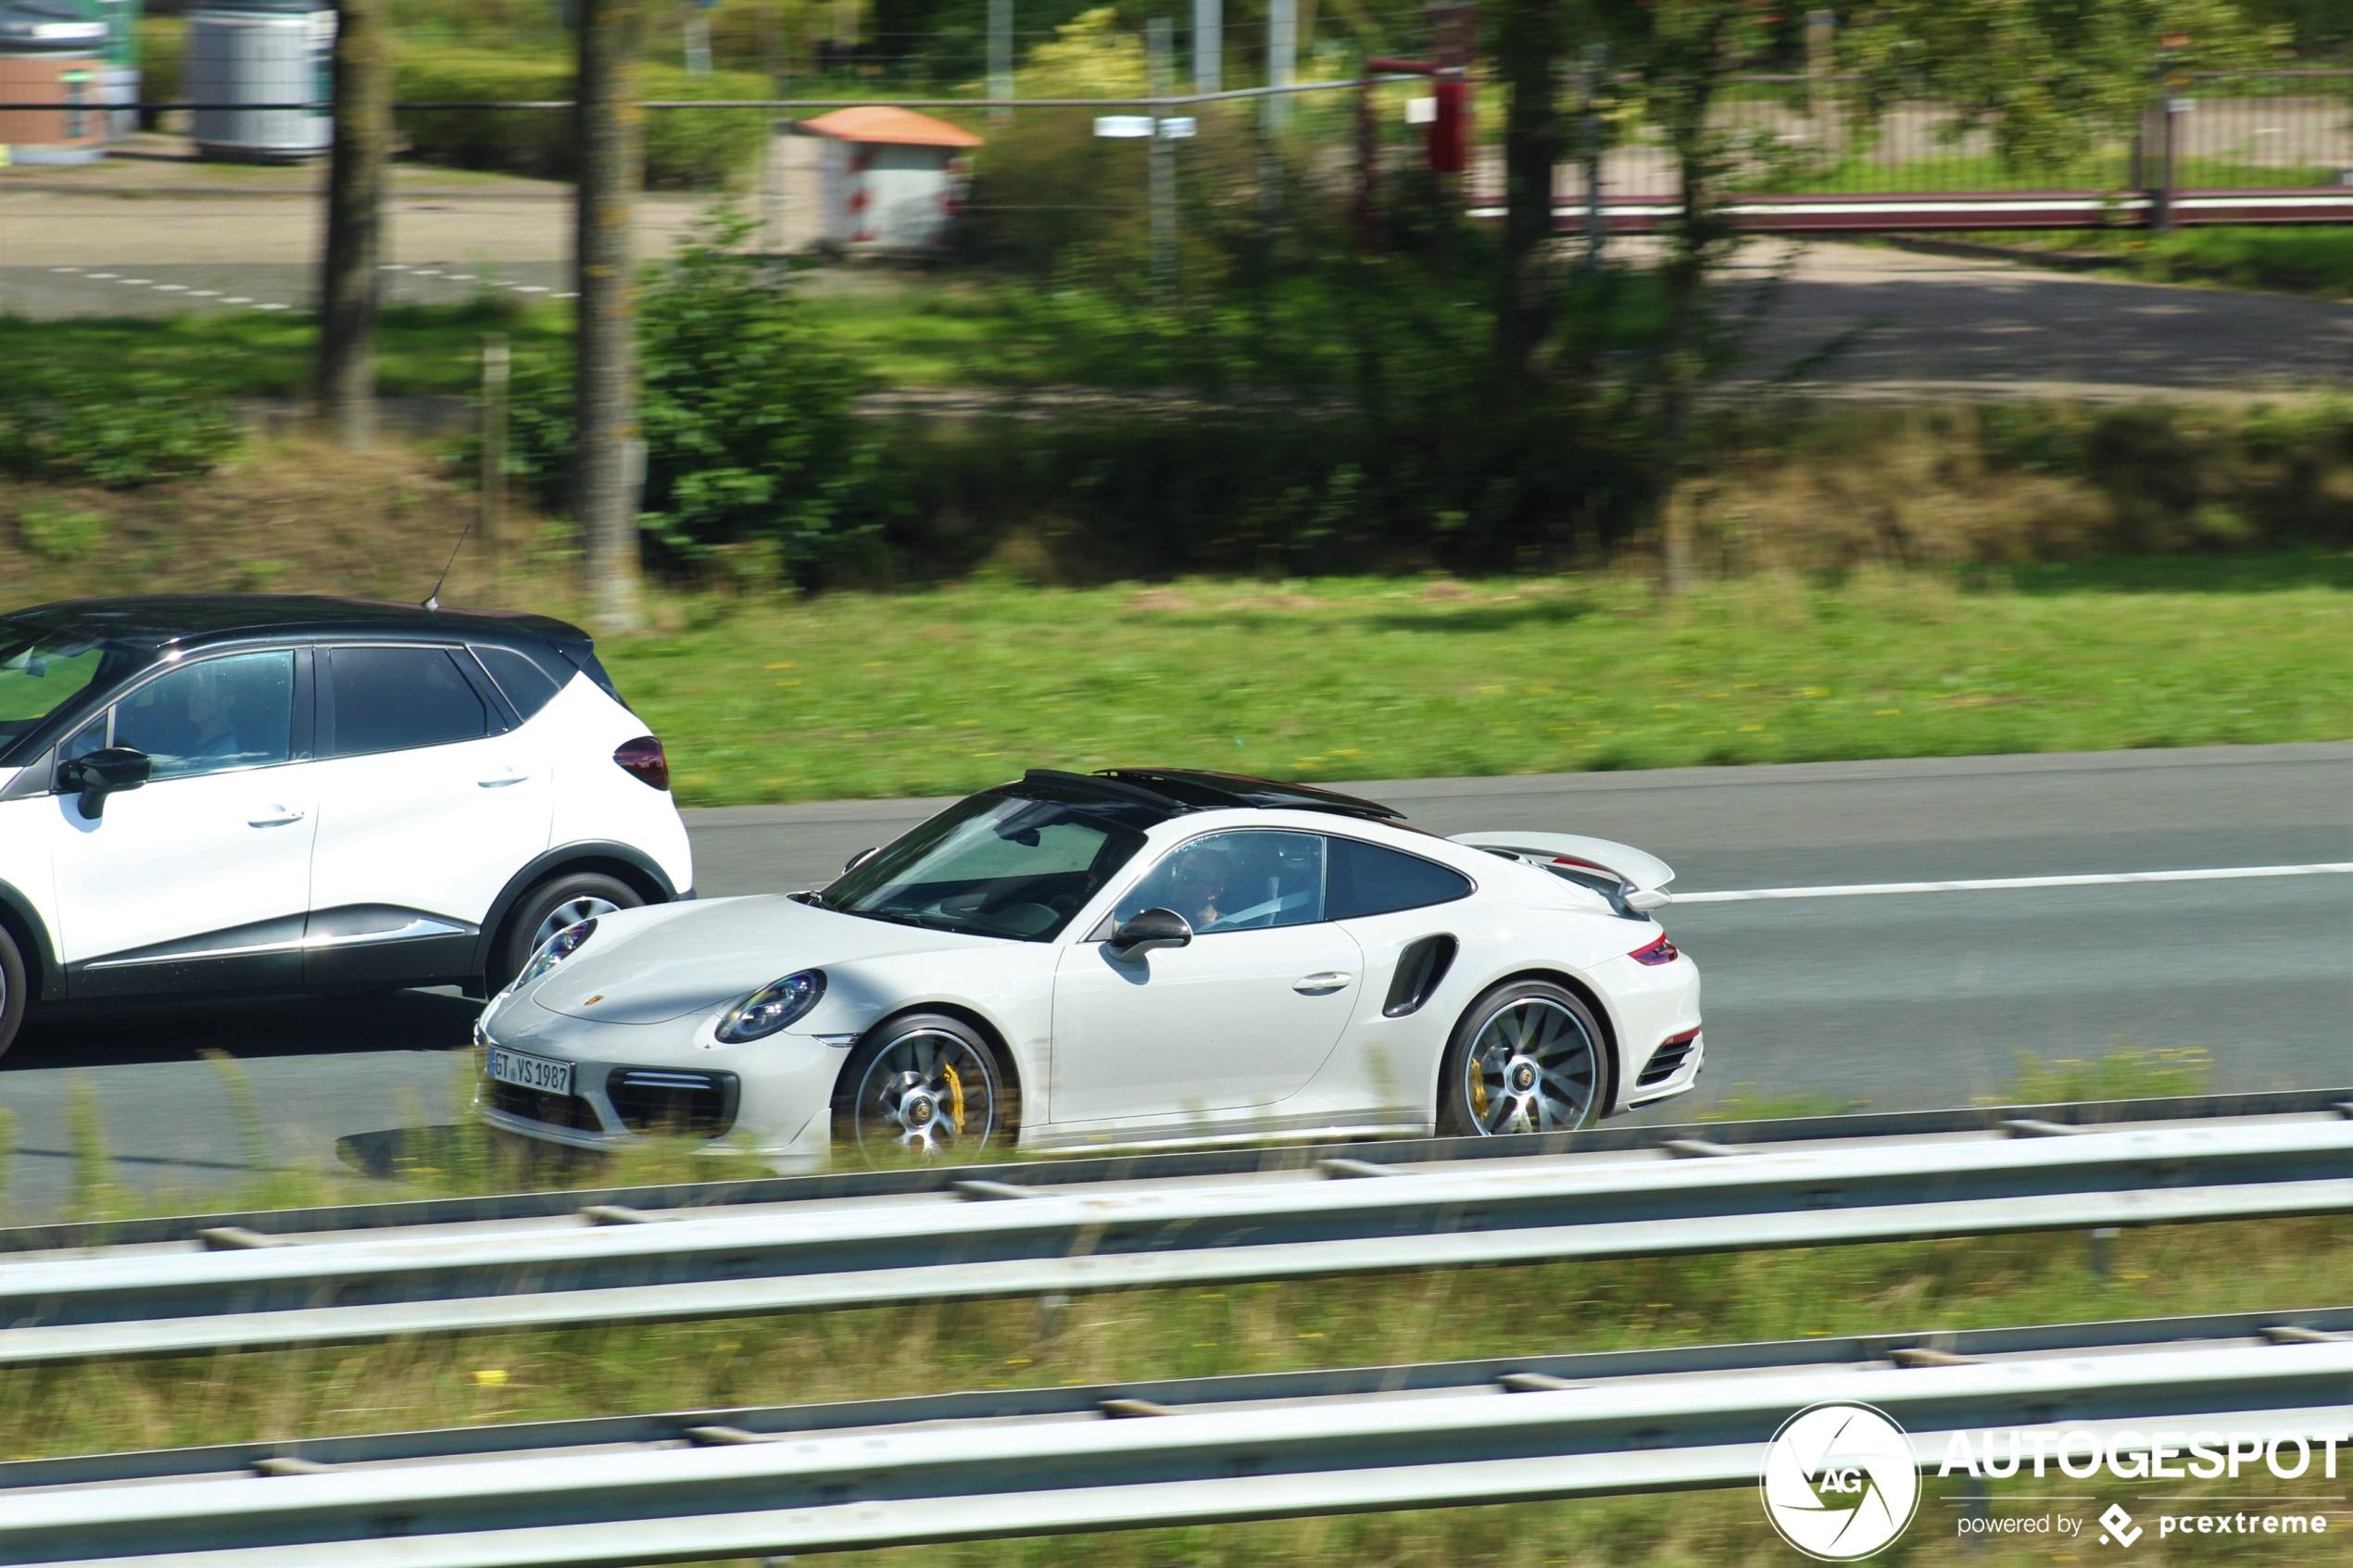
[(1001, 57), (1209, 45), (1159, 49), (348, 277), (610, 449)]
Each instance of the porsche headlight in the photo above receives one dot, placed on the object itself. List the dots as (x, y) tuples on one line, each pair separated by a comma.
[(555, 950), (772, 1007)]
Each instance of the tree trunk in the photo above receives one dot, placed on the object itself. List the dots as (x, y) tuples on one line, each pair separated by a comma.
[(1527, 52), (610, 451), (348, 277)]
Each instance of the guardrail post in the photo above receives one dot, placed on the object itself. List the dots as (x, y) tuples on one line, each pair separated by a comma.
[(2098, 1248)]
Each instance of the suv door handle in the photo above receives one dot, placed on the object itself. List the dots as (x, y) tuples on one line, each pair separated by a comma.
[(500, 780), (1317, 984), (275, 817)]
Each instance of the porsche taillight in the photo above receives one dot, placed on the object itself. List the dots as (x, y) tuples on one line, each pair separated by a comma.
[(1659, 952)]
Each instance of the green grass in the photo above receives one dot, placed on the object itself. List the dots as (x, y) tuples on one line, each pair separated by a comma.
[(2306, 259), (941, 692), (421, 348)]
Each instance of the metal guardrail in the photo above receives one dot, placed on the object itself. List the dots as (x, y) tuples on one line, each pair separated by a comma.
[(1060, 1171), (718, 1484), (1041, 1241)]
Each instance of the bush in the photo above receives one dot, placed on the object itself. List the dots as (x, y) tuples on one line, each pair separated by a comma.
[(685, 149), (61, 532), (121, 434), (753, 460)]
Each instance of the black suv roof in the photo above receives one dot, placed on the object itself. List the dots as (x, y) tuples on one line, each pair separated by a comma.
[(161, 620), (1194, 789)]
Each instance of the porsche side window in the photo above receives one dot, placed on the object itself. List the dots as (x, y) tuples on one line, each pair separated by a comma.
[(216, 714), (1369, 880), (1244, 881)]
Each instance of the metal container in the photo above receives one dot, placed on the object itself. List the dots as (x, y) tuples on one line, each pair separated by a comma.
[(50, 52), (261, 52)]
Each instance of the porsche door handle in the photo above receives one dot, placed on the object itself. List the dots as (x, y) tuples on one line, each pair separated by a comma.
[(1320, 984), (500, 780), (275, 817)]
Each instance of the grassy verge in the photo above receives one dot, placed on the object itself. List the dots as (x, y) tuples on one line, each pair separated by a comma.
[(2317, 259), (421, 348), (940, 691)]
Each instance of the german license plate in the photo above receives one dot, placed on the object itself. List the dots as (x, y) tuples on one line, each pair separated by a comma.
[(531, 1072)]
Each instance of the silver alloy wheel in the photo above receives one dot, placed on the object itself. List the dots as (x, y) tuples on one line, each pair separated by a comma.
[(925, 1093), (571, 912), (1532, 1069)]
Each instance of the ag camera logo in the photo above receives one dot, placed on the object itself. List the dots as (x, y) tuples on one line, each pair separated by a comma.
[(1840, 1482)]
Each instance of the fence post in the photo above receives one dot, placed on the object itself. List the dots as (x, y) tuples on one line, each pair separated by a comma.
[(1596, 224), (1159, 49), (1000, 56), (1209, 45), (495, 368), (2161, 187), (609, 464), (1282, 59)]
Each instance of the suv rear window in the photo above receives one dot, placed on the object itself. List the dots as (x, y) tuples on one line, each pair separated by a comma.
[(396, 699)]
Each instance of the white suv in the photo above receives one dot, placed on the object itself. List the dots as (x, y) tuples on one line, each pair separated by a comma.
[(227, 792)]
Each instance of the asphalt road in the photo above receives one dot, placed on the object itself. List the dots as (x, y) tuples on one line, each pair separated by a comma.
[(1894, 1000)]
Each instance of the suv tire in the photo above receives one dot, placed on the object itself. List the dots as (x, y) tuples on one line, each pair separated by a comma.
[(12, 989), (560, 901)]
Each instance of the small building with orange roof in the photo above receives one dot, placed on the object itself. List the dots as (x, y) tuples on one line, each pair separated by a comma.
[(893, 181)]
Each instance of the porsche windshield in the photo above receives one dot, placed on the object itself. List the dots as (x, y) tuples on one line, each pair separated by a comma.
[(41, 673), (998, 864)]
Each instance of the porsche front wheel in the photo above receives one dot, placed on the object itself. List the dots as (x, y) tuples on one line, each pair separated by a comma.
[(1525, 1057), (922, 1087)]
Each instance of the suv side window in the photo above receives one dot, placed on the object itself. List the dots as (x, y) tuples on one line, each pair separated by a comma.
[(396, 699), (1240, 881), (1369, 880), (236, 712), (527, 687)]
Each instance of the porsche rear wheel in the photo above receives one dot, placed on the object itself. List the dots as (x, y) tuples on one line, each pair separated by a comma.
[(926, 1086), (1525, 1057)]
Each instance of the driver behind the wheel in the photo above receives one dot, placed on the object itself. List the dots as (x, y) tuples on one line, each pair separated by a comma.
[(1197, 875)]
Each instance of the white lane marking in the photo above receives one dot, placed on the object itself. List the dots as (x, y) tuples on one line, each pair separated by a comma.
[(204, 294), (104, 274), (171, 288), (270, 308), (2097, 879), (461, 277), (236, 300), (135, 282), (65, 268)]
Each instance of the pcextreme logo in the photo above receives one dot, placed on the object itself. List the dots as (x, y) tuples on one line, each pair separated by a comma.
[(1840, 1481)]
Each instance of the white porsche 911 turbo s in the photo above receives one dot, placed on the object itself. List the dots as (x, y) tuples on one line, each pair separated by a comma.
[(1137, 956)]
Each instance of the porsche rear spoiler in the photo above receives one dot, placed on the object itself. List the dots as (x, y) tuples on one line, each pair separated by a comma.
[(1642, 877)]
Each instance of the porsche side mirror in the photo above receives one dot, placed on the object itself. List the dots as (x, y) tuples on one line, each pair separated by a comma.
[(100, 773), (861, 859), (1147, 929)]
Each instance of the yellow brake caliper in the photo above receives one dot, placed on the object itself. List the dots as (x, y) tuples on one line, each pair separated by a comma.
[(955, 1098), (1478, 1091)]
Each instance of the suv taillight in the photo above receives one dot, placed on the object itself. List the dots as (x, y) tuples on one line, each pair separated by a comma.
[(642, 759)]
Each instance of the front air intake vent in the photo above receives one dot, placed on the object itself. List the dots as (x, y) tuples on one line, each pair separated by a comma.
[(1420, 967), (696, 1105), (537, 1104)]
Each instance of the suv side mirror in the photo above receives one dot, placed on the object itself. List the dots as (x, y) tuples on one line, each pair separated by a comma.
[(1147, 929), (100, 773)]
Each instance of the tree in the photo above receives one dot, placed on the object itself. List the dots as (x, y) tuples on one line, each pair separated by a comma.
[(2050, 79), (350, 274), (610, 462)]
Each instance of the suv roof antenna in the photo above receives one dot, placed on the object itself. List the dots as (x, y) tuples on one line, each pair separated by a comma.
[(433, 600)]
